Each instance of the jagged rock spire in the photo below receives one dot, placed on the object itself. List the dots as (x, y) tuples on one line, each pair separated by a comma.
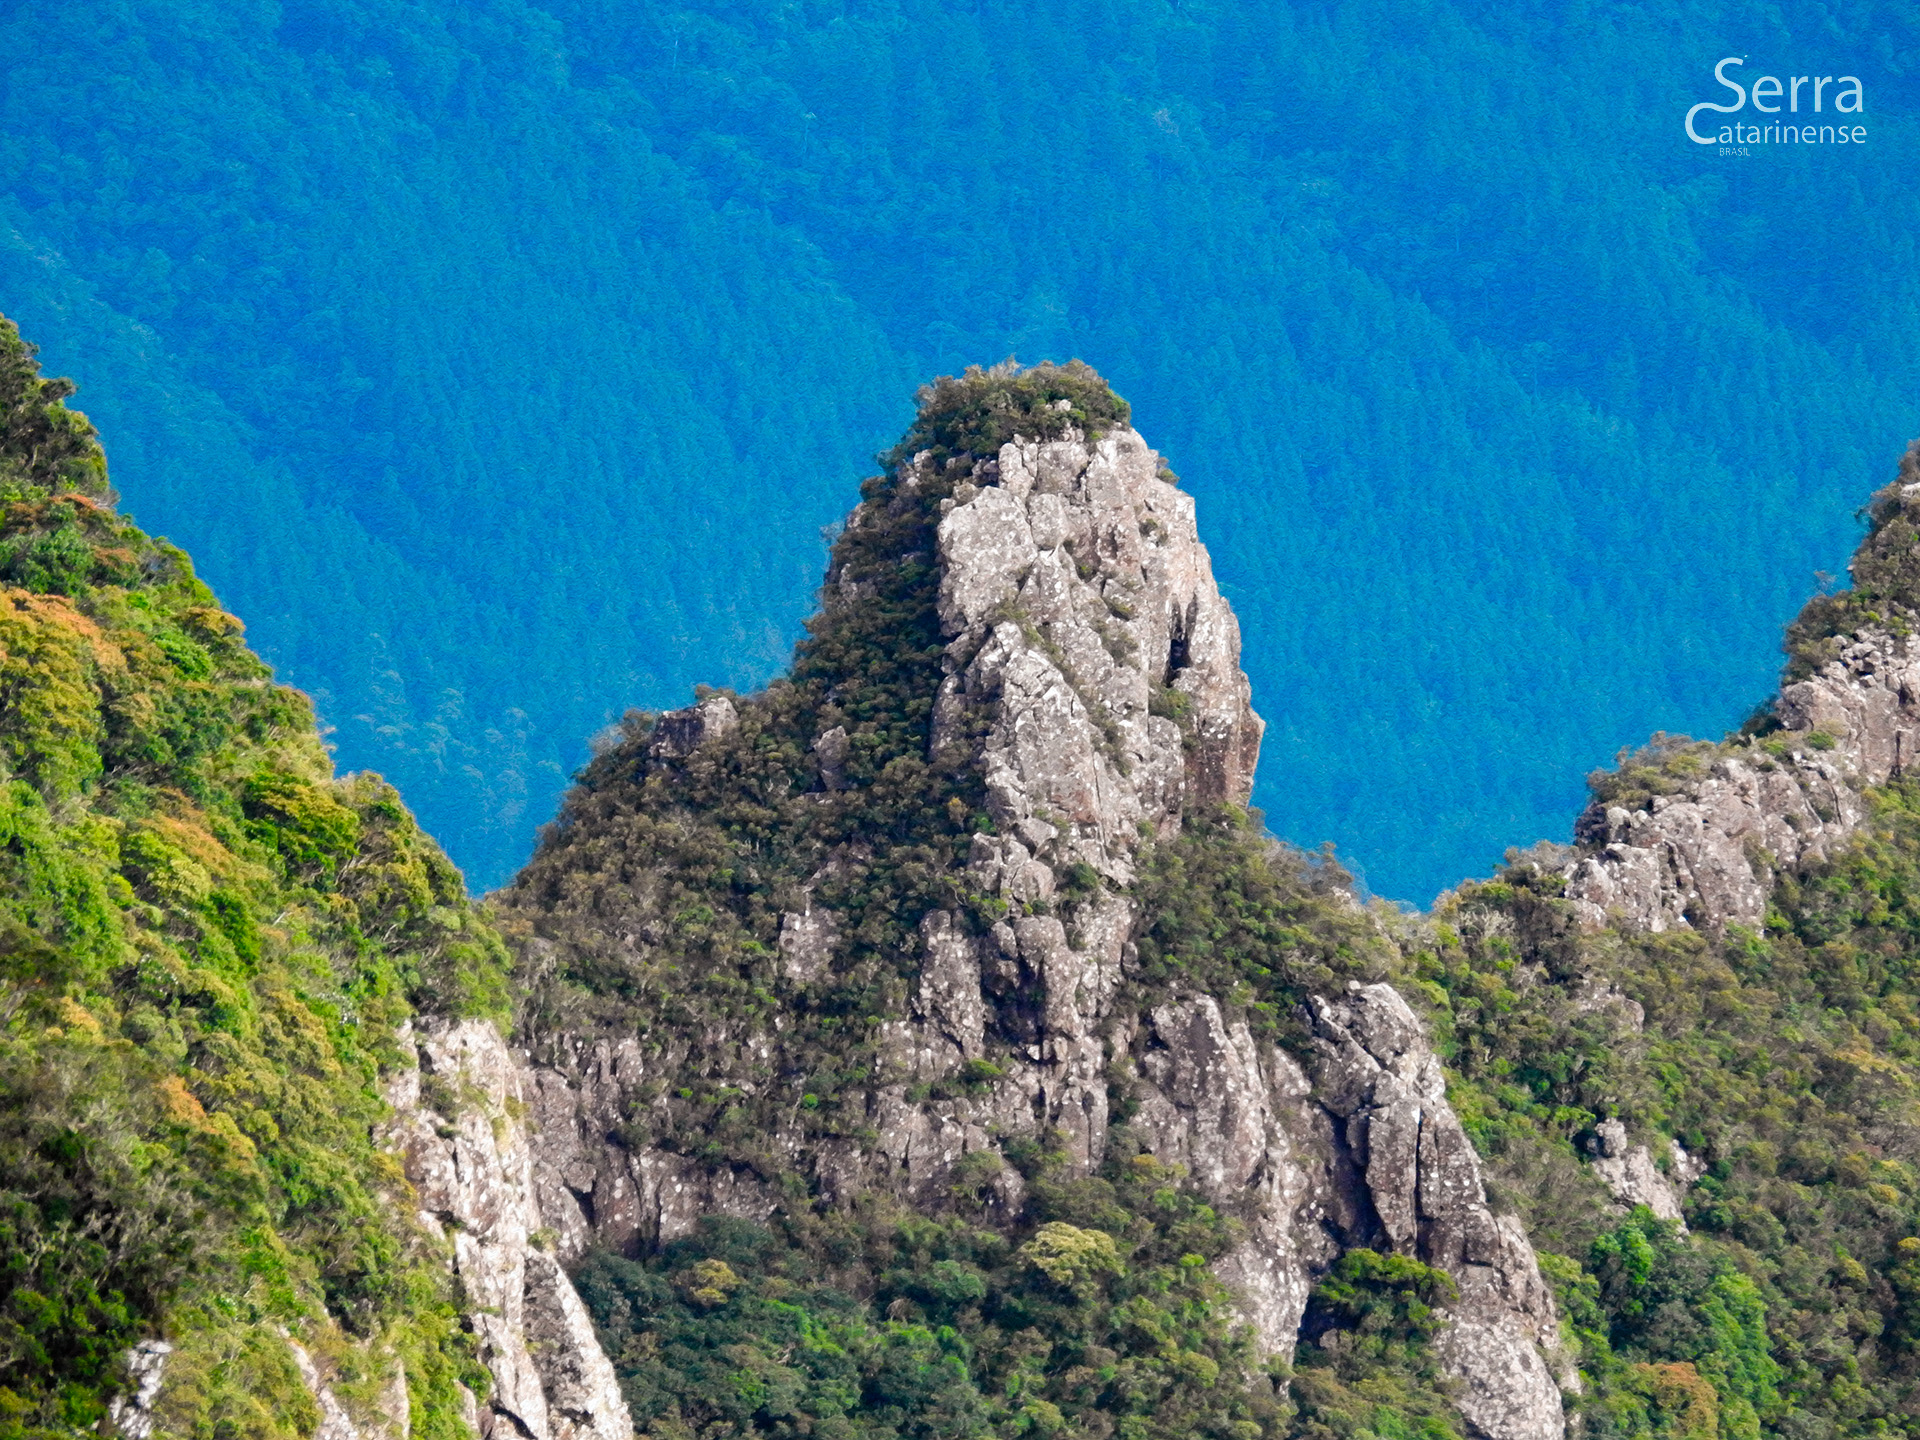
[(1020, 616), (1085, 620)]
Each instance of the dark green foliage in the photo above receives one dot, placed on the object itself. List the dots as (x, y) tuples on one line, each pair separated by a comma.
[(754, 1351), (978, 412), (1371, 1292), (1676, 1303), (1097, 1317), (1365, 1364), (98, 1225), (1228, 911), (207, 944)]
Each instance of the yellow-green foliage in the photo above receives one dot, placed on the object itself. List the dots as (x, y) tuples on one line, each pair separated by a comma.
[(1072, 1258), (207, 944)]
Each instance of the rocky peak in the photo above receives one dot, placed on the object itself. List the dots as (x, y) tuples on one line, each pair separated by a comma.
[(1022, 685), (1084, 620)]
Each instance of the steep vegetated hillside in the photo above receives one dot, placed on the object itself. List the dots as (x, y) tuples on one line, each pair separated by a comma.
[(210, 945), (213, 955)]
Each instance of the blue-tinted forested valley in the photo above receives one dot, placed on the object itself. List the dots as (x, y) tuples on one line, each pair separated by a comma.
[(501, 364)]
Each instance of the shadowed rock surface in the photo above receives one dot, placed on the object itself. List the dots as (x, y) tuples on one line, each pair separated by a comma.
[(472, 1172)]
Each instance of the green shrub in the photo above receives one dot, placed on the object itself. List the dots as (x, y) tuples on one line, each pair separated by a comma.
[(1104, 1320), (975, 413)]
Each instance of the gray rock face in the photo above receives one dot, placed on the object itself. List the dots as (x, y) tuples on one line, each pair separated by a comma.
[(1092, 675), (1079, 602), (1377, 1075), (132, 1412), (592, 1188), (1240, 1117), (681, 732), (1630, 1173), (1706, 858), (472, 1171)]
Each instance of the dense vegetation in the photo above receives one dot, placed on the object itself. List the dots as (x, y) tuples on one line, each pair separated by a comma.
[(207, 945), (1096, 1317), (499, 361)]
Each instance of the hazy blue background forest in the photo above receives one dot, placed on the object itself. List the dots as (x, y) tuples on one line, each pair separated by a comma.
[(500, 364)]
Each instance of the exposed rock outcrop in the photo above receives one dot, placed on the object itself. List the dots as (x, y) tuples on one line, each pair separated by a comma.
[(1707, 857), (391, 1422), (132, 1411), (1082, 612), (1376, 1073), (1091, 679), (1240, 1116), (1630, 1173), (682, 732), (457, 1122)]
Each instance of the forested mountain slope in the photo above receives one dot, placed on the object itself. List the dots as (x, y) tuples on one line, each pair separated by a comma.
[(932, 1044), (501, 362)]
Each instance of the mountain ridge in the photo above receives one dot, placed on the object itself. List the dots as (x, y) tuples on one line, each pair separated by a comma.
[(931, 1043)]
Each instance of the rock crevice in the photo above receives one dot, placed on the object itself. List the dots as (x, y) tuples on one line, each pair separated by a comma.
[(1377, 1075), (457, 1124)]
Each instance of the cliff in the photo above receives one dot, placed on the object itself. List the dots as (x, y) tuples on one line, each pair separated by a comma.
[(1706, 850), (949, 978), (235, 991)]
